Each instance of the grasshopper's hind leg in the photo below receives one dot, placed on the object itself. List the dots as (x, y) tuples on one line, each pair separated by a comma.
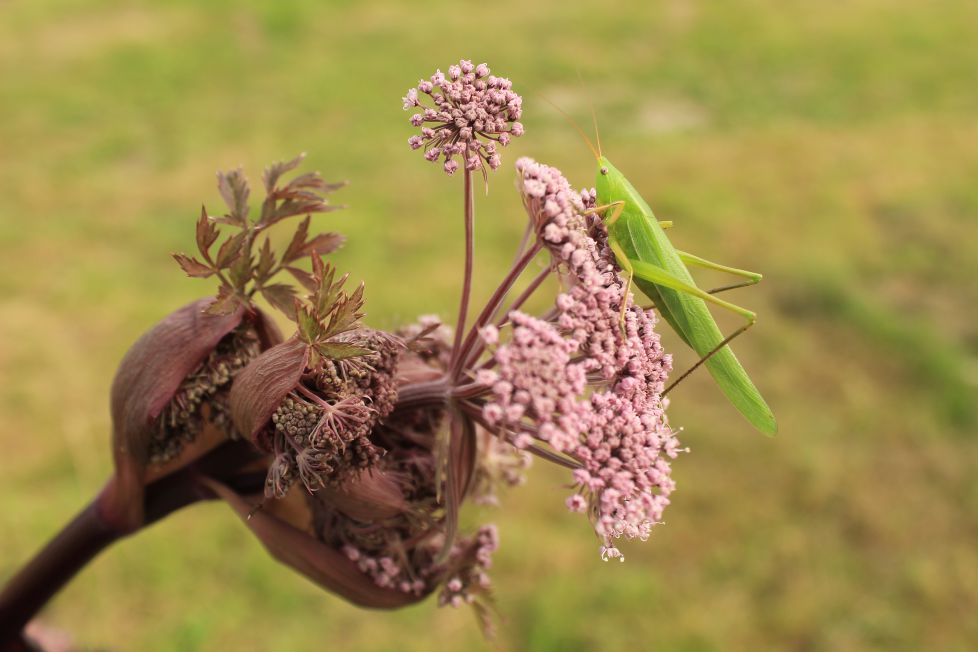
[(727, 340), (659, 276), (753, 278)]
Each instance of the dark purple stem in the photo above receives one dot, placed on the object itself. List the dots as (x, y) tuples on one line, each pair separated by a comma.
[(490, 308), (93, 530), (479, 346), (463, 307), (38, 581)]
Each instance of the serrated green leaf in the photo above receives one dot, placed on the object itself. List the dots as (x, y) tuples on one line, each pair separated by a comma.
[(266, 261), (281, 297), (303, 277), (294, 250), (225, 303), (230, 250), (240, 271), (341, 350), (310, 329)]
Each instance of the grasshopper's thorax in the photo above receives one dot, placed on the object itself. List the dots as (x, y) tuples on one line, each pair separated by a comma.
[(604, 183)]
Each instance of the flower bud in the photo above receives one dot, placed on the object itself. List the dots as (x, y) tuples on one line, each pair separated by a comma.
[(170, 387), (314, 414)]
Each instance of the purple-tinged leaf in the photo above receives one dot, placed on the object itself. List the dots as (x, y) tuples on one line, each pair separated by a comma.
[(300, 206), (281, 297), (308, 556), (206, 234), (192, 266), (266, 262), (230, 250), (276, 170), (306, 279), (367, 497), (226, 303), (234, 189), (261, 386), (324, 243), (153, 368), (294, 250)]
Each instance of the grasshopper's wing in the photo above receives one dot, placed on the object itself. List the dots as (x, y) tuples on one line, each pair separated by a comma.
[(731, 377), (652, 292), (691, 319)]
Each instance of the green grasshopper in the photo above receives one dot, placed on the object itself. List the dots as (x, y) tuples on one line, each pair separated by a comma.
[(652, 263)]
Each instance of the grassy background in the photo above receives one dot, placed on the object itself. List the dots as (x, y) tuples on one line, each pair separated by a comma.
[(832, 146)]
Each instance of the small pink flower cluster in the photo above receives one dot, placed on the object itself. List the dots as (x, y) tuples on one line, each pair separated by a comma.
[(618, 434), (473, 112), (470, 579), (384, 571), (463, 574)]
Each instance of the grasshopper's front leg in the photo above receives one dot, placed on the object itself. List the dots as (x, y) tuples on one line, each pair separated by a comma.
[(626, 266), (616, 210)]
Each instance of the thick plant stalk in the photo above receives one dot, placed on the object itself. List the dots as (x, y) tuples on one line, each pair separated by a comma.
[(98, 526), (463, 307), (37, 582)]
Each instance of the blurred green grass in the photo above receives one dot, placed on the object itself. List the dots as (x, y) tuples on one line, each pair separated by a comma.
[(832, 146)]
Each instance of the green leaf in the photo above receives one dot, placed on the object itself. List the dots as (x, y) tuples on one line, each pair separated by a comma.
[(240, 272), (341, 350), (294, 250), (329, 292), (303, 277), (281, 297), (310, 329), (346, 313), (266, 261), (225, 303), (230, 250), (192, 266)]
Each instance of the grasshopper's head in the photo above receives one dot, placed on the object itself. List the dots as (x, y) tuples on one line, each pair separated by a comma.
[(607, 173)]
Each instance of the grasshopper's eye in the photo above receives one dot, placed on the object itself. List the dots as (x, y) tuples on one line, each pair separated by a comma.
[(604, 170)]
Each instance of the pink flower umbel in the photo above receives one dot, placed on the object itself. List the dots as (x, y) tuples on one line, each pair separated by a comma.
[(579, 382), (471, 113)]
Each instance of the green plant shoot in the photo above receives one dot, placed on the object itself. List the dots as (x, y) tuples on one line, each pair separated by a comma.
[(660, 271)]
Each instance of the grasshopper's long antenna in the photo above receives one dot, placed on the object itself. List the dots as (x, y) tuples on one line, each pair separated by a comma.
[(590, 105), (577, 127)]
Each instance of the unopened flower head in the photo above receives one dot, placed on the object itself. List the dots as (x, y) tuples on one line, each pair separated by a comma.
[(467, 114), (209, 383)]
